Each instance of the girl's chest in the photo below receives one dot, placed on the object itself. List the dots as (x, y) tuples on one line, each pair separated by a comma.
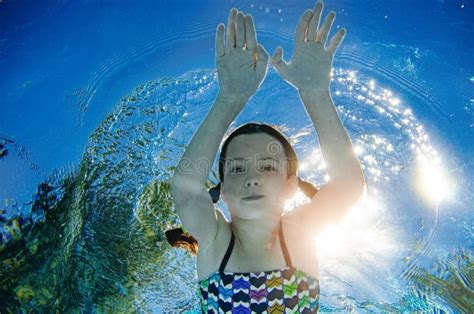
[(301, 249)]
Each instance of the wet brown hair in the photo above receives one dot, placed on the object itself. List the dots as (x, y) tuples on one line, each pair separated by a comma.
[(178, 237)]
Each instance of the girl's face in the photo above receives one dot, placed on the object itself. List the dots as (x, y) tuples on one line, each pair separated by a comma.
[(256, 164)]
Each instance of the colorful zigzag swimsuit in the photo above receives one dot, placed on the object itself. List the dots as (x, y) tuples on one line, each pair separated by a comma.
[(286, 290)]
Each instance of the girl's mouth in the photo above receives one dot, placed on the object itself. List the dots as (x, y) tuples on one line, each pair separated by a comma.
[(253, 198)]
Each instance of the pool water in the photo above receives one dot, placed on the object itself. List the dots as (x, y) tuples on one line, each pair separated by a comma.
[(100, 99)]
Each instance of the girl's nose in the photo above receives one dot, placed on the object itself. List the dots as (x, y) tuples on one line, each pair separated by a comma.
[(252, 181)]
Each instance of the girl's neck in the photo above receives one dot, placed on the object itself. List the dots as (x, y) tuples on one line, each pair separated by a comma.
[(256, 236)]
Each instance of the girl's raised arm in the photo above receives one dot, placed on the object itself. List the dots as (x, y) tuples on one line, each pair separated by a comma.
[(309, 71), (241, 67)]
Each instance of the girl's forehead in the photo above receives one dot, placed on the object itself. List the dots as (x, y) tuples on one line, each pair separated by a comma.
[(255, 146)]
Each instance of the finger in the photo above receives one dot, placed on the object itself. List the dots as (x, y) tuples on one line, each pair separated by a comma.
[(314, 23), (220, 51), (230, 36), (336, 40), (302, 26), (278, 63), (240, 28), (250, 35), (322, 36), (277, 56)]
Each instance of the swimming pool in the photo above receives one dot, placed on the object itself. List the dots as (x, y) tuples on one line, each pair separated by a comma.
[(100, 98)]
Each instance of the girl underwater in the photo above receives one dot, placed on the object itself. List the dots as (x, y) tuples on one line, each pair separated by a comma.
[(263, 260)]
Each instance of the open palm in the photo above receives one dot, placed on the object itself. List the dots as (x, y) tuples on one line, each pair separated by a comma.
[(311, 63), (242, 62)]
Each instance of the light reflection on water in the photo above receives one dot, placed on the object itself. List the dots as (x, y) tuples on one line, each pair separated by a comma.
[(117, 205)]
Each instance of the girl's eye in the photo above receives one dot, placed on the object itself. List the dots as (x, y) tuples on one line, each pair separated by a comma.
[(270, 167), (234, 169)]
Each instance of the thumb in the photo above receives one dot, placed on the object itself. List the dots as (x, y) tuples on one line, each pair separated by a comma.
[(278, 63), (262, 55)]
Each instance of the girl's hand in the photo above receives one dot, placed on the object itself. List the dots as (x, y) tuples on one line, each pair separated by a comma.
[(310, 66), (242, 63)]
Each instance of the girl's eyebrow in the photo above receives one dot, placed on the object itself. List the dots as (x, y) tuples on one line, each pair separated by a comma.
[(265, 158)]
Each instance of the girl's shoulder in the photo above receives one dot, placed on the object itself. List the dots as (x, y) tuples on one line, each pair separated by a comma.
[(208, 254)]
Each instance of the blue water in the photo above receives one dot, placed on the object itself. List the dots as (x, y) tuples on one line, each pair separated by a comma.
[(403, 87)]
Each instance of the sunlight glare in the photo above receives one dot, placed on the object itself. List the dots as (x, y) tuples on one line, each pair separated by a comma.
[(431, 182), (357, 235)]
